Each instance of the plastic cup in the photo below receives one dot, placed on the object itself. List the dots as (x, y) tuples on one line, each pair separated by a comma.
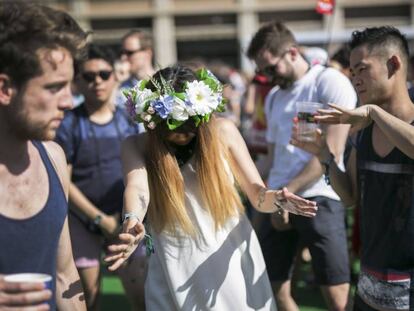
[(46, 279), (306, 120)]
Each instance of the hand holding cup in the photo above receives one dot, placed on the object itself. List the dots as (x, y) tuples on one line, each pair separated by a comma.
[(27, 291)]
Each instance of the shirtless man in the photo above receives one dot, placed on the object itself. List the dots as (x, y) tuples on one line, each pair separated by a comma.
[(38, 47)]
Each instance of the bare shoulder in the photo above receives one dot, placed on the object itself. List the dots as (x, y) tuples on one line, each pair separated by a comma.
[(227, 130), (135, 144), (58, 159), (225, 126), (56, 153)]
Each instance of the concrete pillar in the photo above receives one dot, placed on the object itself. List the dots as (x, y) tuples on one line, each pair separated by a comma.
[(247, 25), (412, 13), (334, 23), (165, 47)]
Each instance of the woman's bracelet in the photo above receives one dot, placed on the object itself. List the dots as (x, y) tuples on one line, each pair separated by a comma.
[(278, 205), (130, 215)]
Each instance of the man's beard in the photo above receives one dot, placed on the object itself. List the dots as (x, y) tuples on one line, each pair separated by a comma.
[(23, 128), (283, 82)]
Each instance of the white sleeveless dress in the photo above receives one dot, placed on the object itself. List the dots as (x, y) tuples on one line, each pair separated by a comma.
[(220, 270)]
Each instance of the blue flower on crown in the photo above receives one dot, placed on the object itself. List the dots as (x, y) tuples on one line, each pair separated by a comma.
[(199, 99), (163, 105)]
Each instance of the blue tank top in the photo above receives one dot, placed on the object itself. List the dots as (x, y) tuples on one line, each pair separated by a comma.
[(94, 150), (30, 245)]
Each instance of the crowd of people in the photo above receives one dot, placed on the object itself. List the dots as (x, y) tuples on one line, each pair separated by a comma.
[(195, 206)]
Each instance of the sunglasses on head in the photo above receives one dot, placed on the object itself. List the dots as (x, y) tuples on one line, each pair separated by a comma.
[(130, 52), (90, 76)]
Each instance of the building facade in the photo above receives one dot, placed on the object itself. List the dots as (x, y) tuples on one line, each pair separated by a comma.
[(221, 29)]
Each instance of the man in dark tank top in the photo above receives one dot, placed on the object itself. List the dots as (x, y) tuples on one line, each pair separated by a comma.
[(383, 160), (38, 49)]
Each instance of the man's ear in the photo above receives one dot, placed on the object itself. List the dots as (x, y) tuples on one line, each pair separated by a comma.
[(393, 65), (294, 52), (6, 89)]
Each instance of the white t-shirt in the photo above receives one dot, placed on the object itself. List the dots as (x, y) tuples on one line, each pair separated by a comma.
[(320, 84)]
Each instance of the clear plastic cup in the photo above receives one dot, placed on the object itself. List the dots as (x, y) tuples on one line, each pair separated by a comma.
[(305, 112)]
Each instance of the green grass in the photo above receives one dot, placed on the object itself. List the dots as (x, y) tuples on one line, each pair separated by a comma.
[(113, 297)]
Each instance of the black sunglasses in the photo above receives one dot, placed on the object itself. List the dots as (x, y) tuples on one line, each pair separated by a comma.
[(267, 71), (130, 52), (90, 76), (270, 70)]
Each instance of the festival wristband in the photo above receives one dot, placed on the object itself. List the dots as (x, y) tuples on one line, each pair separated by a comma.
[(131, 215)]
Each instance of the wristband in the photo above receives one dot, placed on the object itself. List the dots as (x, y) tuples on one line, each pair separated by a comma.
[(97, 220), (130, 215)]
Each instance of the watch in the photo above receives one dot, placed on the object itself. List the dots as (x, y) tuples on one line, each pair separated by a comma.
[(97, 220)]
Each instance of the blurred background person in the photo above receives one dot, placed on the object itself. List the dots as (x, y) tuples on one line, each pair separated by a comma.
[(275, 52), (91, 136), (121, 70), (314, 55), (234, 88), (340, 60), (137, 50)]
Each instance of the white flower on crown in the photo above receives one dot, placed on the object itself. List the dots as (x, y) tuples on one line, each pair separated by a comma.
[(141, 99), (202, 98), (179, 110)]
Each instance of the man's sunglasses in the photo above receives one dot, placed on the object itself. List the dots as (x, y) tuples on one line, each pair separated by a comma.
[(270, 70), (130, 52), (90, 76)]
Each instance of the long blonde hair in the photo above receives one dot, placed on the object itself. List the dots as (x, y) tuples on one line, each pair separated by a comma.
[(167, 210)]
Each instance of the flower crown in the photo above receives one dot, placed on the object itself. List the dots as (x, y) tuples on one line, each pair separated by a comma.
[(199, 99)]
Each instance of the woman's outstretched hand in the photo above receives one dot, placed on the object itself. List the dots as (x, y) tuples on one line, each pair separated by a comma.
[(133, 231), (292, 203)]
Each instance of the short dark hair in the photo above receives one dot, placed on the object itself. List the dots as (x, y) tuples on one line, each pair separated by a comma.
[(274, 37), (381, 38), (342, 56), (101, 52), (26, 28), (144, 37)]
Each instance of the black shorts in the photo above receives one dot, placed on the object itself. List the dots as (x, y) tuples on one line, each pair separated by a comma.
[(324, 235)]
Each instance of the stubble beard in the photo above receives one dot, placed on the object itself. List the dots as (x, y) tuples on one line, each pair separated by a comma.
[(25, 129)]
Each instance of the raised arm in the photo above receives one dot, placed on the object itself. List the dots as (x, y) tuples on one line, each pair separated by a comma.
[(262, 199), (136, 199), (399, 132)]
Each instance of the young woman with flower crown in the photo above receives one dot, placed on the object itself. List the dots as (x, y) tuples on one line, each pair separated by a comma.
[(184, 171)]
